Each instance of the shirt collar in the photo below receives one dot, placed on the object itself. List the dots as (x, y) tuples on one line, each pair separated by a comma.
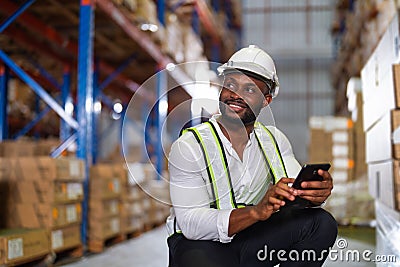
[(225, 140)]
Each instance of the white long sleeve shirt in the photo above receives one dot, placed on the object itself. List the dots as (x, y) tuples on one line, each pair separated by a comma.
[(191, 197)]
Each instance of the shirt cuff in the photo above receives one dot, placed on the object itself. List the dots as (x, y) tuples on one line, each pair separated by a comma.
[(223, 226)]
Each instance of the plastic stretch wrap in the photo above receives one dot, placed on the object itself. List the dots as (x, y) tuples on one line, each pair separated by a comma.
[(387, 232)]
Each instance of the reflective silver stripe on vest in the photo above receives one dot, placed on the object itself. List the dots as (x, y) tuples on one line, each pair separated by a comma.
[(271, 151), (217, 168)]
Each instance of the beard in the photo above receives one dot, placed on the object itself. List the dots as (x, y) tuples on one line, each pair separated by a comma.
[(248, 117)]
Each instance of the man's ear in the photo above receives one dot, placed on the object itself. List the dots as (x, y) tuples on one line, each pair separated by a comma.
[(267, 100)]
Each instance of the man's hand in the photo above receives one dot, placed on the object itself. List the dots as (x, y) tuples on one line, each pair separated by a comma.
[(320, 191), (273, 199)]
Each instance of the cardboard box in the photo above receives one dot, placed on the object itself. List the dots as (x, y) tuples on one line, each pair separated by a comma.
[(44, 215), (130, 209), (45, 147), (65, 237), (131, 224), (342, 175), (18, 246), (5, 169), (107, 170), (12, 149), (103, 229), (102, 188), (106, 180), (50, 192), (379, 145), (382, 177), (46, 168), (99, 209)]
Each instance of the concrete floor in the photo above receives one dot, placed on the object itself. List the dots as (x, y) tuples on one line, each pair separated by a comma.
[(150, 250)]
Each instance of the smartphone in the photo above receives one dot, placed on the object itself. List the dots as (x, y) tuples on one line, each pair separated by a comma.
[(309, 172)]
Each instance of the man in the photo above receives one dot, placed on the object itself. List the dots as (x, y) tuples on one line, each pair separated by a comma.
[(229, 183)]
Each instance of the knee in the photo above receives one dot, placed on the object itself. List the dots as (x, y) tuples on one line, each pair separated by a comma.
[(326, 224)]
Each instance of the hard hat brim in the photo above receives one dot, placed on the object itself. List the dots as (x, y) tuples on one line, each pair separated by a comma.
[(251, 70)]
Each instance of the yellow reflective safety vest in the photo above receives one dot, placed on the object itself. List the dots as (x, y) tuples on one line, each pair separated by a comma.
[(223, 196)]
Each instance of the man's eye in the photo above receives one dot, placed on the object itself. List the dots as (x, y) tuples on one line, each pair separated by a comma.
[(250, 89), (230, 85)]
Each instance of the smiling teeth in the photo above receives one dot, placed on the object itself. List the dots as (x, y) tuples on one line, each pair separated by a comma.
[(234, 106)]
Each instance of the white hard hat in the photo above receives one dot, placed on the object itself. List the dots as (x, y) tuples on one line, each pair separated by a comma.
[(255, 62)]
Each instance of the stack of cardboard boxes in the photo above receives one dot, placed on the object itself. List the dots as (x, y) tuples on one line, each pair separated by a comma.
[(155, 199), (381, 101), (332, 140), (41, 193), (104, 203), (134, 200), (47, 193), (355, 107), (381, 118)]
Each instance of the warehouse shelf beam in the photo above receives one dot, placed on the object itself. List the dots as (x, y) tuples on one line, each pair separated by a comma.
[(195, 22), (66, 100), (121, 129), (106, 100), (117, 72), (47, 75), (96, 111), (161, 11), (38, 90), (63, 146), (162, 100), (147, 121), (161, 115), (85, 99), (15, 15), (3, 102)]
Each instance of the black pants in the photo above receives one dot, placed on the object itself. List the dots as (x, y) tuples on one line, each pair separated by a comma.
[(290, 237)]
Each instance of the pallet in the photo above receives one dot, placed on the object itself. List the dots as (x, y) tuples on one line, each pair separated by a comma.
[(39, 261), (133, 234), (98, 246), (68, 255)]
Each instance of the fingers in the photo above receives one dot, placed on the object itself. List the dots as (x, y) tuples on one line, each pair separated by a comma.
[(320, 191), (283, 191), (315, 195), (327, 182)]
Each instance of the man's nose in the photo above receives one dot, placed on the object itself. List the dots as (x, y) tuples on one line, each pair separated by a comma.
[(234, 93)]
